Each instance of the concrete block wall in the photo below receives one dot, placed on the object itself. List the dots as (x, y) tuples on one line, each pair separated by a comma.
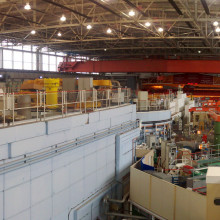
[(125, 152), (154, 115), (23, 139), (50, 188)]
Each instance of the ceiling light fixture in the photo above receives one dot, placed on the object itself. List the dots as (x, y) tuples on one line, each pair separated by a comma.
[(63, 18), (131, 13), (27, 6), (89, 27), (33, 32), (105, 49), (59, 34), (199, 51), (109, 31), (147, 24), (160, 29), (215, 23), (217, 29)]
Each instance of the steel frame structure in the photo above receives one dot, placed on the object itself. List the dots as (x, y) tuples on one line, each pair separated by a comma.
[(188, 29)]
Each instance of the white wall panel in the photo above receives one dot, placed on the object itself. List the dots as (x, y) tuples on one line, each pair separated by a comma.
[(90, 185), (61, 179), (94, 117), (41, 188), (77, 193), (154, 115), (17, 200), (41, 168), (1, 183), (63, 124), (124, 151), (3, 151), (1, 205), (6, 136), (27, 146), (61, 202), (30, 130), (76, 170), (61, 160), (90, 164), (42, 211), (120, 119), (21, 216), (17, 177)]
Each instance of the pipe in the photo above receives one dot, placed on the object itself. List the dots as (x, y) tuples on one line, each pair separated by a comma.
[(125, 215), (118, 201), (146, 210), (117, 82)]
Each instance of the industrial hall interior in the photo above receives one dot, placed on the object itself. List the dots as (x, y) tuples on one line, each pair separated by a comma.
[(109, 109)]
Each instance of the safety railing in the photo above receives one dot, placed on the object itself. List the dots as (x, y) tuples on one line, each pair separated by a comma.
[(25, 107), (153, 105)]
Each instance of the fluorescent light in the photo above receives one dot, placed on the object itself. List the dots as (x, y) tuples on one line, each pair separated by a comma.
[(27, 6), (131, 13), (215, 23), (217, 29), (147, 24), (160, 29), (89, 27), (109, 30), (63, 18), (59, 34), (33, 32)]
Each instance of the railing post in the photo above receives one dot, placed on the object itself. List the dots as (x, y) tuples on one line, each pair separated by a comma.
[(37, 105), (93, 99), (4, 107), (44, 104), (65, 92), (13, 108), (119, 96), (84, 100), (80, 100), (62, 107), (108, 96)]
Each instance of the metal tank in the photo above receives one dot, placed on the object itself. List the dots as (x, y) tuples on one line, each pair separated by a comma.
[(51, 87)]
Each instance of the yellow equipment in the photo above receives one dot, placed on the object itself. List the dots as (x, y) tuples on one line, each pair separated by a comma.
[(32, 85), (102, 83), (51, 88)]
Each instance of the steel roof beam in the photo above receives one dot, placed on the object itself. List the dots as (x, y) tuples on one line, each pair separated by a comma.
[(69, 9), (205, 6)]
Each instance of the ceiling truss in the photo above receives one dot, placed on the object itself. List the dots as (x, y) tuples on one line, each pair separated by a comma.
[(188, 29)]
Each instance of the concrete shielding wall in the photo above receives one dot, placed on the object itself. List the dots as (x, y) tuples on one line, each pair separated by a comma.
[(165, 199)]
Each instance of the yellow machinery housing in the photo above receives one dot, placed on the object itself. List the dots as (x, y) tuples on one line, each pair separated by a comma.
[(51, 87), (102, 83)]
